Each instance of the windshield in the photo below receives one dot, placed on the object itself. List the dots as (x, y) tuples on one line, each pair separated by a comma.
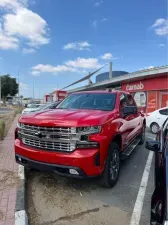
[(91, 101)]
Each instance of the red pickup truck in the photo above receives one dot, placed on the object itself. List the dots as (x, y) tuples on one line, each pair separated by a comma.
[(85, 136)]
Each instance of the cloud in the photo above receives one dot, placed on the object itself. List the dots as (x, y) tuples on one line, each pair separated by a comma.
[(28, 50), (77, 46), (147, 68), (161, 27), (21, 24), (85, 63), (98, 3), (28, 25), (159, 22), (95, 23), (23, 86), (47, 68), (150, 67), (10, 4), (7, 42), (104, 19), (161, 45), (35, 73), (107, 56), (79, 65)]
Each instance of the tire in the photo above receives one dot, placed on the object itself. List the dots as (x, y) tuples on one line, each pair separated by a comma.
[(154, 128), (142, 137), (112, 167)]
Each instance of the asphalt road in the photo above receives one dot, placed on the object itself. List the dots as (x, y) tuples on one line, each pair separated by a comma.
[(55, 200), (4, 110)]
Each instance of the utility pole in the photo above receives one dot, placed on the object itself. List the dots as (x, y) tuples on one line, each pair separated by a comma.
[(18, 85), (110, 70)]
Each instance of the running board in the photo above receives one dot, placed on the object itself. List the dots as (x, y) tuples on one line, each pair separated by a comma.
[(130, 148)]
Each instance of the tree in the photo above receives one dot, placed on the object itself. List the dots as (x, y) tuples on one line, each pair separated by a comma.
[(14, 87), (9, 86)]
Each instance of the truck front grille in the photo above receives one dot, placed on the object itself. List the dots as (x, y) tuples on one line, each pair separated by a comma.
[(48, 138), (56, 146)]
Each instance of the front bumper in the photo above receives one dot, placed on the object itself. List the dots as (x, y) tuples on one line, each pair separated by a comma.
[(58, 169), (83, 161)]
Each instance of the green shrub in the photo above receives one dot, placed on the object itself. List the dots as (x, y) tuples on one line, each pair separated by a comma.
[(2, 129)]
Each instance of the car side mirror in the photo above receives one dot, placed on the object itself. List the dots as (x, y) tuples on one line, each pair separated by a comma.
[(129, 110), (153, 146)]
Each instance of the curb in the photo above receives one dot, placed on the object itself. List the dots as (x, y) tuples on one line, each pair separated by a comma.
[(20, 208)]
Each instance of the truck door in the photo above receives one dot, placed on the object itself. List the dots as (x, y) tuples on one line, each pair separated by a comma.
[(125, 128), (134, 120)]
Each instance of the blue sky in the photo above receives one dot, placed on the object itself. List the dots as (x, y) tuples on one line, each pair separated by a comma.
[(55, 42)]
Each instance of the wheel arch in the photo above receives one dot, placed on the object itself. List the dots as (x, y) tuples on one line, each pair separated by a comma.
[(118, 140)]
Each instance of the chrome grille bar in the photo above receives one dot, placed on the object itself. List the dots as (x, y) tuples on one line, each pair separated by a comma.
[(48, 138), (51, 146), (66, 130)]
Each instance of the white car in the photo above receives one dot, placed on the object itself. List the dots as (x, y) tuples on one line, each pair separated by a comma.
[(32, 108), (156, 119)]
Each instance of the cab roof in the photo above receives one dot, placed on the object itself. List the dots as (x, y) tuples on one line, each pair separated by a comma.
[(101, 92)]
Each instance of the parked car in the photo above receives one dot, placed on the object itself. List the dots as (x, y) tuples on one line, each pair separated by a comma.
[(159, 202), (33, 103), (51, 105), (156, 119), (32, 108), (86, 136)]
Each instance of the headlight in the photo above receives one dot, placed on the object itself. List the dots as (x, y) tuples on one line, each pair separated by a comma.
[(89, 130)]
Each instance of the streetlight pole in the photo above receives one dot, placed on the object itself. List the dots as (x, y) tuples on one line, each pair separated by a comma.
[(18, 84)]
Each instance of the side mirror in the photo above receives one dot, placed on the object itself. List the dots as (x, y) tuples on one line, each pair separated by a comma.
[(153, 146), (129, 110)]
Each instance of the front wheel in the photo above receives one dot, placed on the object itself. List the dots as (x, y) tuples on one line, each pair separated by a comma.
[(112, 167)]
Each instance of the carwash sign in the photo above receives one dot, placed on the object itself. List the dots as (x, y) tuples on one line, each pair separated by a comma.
[(135, 87), (151, 84)]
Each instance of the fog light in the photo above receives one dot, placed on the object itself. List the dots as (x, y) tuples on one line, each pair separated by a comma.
[(73, 171), (87, 145)]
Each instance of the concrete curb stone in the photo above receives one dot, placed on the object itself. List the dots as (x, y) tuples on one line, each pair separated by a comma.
[(20, 208)]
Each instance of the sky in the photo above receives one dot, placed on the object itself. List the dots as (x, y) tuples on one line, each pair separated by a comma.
[(53, 43)]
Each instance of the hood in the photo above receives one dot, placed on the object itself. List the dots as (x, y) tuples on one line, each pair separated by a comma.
[(63, 117), (28, 110)]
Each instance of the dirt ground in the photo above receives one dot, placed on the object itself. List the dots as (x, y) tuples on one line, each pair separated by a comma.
[(54, 200)]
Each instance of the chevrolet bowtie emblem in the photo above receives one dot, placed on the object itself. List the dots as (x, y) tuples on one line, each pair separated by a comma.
[(38, 134)]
